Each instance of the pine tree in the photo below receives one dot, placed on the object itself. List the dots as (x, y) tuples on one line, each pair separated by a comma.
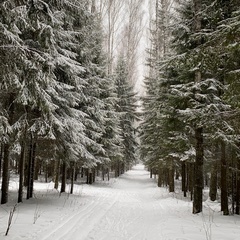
[(126, 108)]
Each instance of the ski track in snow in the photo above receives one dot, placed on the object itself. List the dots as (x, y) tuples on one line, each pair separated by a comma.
[(131, 207), (126, 210)]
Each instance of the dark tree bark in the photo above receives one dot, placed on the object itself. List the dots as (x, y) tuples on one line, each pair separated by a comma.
[(56, 173), (190, 178), (103, 173), (108, 174), (72, 177), (1, 157), (5, 174), (87, 175), (160, 175), (6, 160), (238, 188), (64, 177), (94, 174), (224, 190), (117, 169), (171, 177), (21, 172), (214, 181), (151, 173), (90, 176), (45, 166), (198, 172), (184, 188), (31, 163)]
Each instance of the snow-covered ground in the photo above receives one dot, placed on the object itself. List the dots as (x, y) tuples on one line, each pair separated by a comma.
[(130, 207)]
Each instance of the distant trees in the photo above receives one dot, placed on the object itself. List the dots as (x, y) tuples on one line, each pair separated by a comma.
[(57, 103), (126, 108), (194, 126)]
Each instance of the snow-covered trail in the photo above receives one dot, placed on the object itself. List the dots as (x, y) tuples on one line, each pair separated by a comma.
[(130, 207), (125, 210), (133, 208)]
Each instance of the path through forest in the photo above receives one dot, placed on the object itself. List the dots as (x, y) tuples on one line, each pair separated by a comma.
[(130, 207), (134, 208)]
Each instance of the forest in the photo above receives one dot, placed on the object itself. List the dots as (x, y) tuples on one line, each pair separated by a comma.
[(69, 109), (65, 110), (190, 128)]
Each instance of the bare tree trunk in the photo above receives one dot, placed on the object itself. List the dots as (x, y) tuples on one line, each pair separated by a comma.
[(108, 174), (238, 188), (64, 176), (56, 173), (6, 150), (198, 173), (160, 175), (190, 178), (72, 177), (224, 190), (213, 181), (5, 174), (21, 171), (1, 157), (31, 165), (184, 188), (171, 177)]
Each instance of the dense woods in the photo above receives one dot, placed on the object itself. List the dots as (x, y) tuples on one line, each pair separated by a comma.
[(63, 114), (190, 127), (68, 108)]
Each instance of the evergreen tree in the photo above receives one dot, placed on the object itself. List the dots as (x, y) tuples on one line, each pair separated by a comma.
[(126, 108)]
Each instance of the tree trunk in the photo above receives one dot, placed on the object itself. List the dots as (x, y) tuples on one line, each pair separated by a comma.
[(5, 174), (198, 172), (103, 173), (238, 188), (94, 174), (31, 163), (160, 179), (224, 191), (56, 173), (214, 181), (90, 176), (117, 169), (151, 173), (108, 175), (87, 175), (6, 159), (184, 188), (21, 172), (64, 176), (72, 177), (1, 157), (171, 177), (190, 178)]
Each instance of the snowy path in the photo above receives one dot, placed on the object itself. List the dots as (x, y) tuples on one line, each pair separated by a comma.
[(131, 207), (126, 210)]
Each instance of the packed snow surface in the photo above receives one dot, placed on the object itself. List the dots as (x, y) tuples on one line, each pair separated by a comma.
[(131, 207)]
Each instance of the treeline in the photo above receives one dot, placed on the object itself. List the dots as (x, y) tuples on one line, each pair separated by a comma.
[(61, 114), (191, 111)]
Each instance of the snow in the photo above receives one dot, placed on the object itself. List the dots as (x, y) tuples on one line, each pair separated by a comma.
[(129, 207)]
